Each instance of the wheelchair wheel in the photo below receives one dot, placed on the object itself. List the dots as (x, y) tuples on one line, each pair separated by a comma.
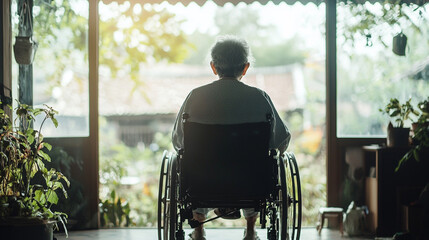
[(294, 198), (167, 202), (163, 190), (282, 209)]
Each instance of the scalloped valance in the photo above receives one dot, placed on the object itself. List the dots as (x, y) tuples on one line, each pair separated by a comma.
[(263, 2)]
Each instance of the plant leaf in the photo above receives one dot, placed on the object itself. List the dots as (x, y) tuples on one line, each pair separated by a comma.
[(39, 196), (37, 111), (44, 155), (65, 180), (395, 113), (41, 165), (416, 156), (54, 121), (52, 196), (47, 146)]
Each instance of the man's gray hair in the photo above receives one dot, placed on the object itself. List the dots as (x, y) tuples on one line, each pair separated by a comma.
[(230, 55)]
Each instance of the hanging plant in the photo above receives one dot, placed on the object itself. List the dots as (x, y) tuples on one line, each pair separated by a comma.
[(25, 47), (378, 23)]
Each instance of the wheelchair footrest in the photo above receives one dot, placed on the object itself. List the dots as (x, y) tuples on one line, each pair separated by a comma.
[(228, 213)]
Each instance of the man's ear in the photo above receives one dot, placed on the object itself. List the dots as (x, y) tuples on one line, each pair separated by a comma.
[(245, 69), (213, 68)]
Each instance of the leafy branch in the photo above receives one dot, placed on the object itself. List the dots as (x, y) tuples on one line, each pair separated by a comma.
[(399, 112), (375, 22), (22, 157)]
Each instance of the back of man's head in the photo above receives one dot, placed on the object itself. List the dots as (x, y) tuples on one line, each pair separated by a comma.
[(229, 56)]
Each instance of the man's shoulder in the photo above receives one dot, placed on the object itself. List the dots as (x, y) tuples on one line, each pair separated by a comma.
[(228, 84)]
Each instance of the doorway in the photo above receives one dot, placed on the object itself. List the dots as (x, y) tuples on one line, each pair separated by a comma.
[(152, 55)]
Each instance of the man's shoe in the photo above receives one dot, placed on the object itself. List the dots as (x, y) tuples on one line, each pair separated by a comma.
[(194, 235), (254, 236)]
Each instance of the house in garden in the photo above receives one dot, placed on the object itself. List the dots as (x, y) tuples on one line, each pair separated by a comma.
[(139, 110)]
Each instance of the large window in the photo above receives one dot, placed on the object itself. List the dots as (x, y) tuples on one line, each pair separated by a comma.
[(369, 73), (60, 67), (151, 56), (59, 78)]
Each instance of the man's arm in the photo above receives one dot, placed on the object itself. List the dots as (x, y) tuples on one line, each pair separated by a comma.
[(281, 134), (177, 134)]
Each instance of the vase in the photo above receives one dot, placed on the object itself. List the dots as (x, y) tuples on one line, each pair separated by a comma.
[(24, 50)]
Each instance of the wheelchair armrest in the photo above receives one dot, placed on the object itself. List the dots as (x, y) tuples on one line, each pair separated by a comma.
[(180, 151), (274, 152)]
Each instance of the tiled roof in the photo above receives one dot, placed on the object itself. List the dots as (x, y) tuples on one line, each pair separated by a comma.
[(164, 88)]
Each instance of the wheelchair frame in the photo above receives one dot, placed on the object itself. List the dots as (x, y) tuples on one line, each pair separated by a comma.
[(282, 207)]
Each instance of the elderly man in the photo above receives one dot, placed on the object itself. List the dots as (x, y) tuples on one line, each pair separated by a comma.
[(230, 101)]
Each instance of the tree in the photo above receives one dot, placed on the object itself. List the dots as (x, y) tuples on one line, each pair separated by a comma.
[(129, 36), (370, 74), (379, 22), (132, 35), (244, 21)]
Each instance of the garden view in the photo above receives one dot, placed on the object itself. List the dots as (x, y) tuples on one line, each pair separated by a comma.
[(152, 55)]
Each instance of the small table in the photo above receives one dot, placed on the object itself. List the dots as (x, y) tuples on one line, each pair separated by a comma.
[(330, 212)]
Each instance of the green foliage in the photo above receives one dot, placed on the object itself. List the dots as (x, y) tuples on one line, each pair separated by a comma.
[(245, 22), (115, 212), (283, 53), (423, 106), (369, 75), (364, 70), (153, 35), (118, 161), (399, 112), (313, 186), (74, 204), (421, 135), (377, 22), (22, 157), (130, 35)]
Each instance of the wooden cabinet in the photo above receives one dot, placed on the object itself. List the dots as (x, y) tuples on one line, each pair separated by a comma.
[(384, 186)]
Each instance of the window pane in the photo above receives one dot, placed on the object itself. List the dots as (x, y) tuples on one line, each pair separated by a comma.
[(369, 73), (60, 67)]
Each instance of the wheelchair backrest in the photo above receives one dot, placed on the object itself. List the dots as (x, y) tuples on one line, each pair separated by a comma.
[(227, 162)]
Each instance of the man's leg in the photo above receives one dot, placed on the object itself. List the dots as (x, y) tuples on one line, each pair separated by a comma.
[(199, 214), (251, 216)]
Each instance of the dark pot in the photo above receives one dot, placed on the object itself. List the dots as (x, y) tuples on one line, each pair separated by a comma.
[(398, 137), (399, 44), (24, 50), (21, 228)]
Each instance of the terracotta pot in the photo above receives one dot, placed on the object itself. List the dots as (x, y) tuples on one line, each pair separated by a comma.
[(398, 137), (24, 50)]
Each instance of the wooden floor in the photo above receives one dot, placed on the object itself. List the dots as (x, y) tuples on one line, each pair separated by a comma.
[(212, 234)]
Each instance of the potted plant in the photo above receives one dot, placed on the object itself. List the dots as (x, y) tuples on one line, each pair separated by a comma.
[(25, 204), (423, 117), (397, 134), (420, 139)]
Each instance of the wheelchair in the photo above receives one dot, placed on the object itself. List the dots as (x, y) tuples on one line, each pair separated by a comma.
[(229, 166)]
